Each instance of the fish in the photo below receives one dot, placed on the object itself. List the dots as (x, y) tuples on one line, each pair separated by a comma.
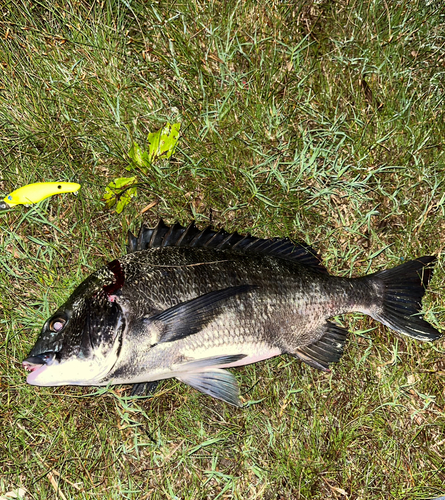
[(187, 303)]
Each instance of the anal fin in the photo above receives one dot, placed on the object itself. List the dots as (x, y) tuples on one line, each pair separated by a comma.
[(326, 350)]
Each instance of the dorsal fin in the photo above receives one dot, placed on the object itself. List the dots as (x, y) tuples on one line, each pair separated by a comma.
[(190, 236)]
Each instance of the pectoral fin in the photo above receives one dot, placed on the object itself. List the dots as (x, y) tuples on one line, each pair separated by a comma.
[(190, 317)]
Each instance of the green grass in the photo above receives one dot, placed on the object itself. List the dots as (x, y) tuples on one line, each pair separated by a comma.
[(320, 121)]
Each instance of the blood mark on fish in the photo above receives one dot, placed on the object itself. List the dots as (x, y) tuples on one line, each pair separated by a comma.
[(119, 279)]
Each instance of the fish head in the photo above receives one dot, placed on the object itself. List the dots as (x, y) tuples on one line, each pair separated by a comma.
[(80, 343)]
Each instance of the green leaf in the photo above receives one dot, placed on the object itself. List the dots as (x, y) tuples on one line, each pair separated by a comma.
[(139, 156), (163, 142), (119, 192)]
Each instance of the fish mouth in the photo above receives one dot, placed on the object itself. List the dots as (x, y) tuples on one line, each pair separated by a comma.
[(38, 364), (33, 363), (36, 371), (29, 367)]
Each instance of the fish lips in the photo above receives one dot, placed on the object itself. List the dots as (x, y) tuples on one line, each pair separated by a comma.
[(36, 364)]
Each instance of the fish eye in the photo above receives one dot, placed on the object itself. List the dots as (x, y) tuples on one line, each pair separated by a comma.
[(57, 324)]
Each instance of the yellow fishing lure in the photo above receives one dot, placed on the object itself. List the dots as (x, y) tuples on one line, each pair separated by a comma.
[(33, 193)]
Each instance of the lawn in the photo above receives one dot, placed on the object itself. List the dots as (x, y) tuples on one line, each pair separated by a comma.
[(315, 120)]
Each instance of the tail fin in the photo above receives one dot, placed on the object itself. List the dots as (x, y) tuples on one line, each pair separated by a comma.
[(403, 289)]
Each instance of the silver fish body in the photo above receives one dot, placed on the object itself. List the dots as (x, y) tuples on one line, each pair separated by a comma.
[(187, 304)]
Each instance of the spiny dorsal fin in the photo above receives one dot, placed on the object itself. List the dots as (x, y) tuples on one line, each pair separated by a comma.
[(190, 236)]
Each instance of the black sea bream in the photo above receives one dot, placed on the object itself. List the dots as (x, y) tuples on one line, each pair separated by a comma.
[(186, 303)]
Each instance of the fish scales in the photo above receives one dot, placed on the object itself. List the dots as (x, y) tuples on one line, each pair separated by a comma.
[(278, 300), (186, 303)]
